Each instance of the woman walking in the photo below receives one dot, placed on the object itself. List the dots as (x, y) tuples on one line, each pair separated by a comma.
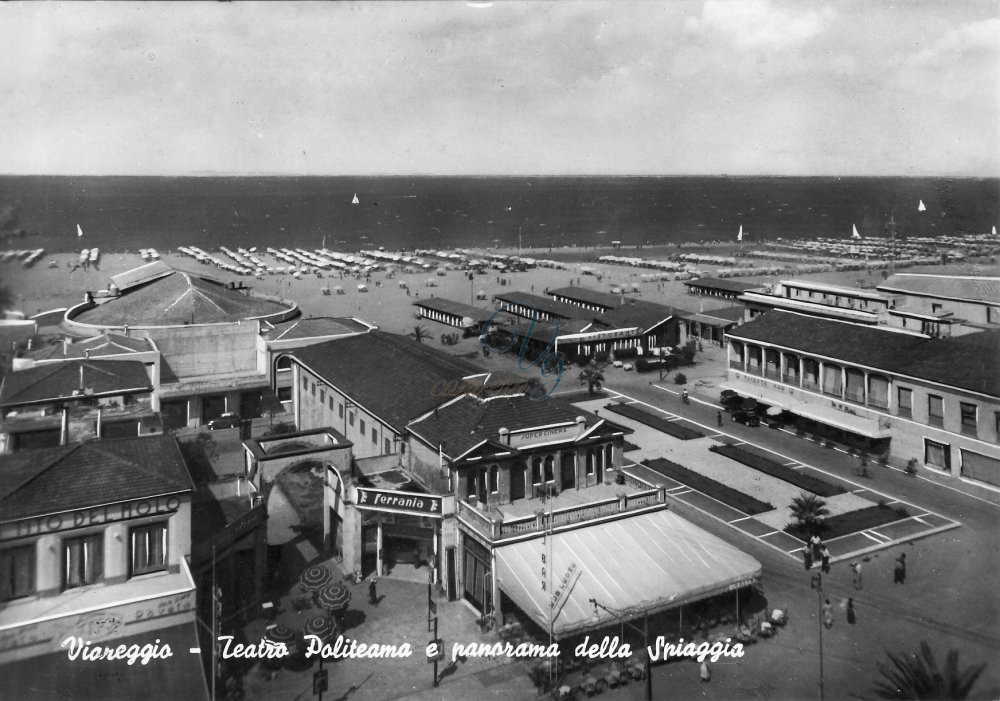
[(850, 611)]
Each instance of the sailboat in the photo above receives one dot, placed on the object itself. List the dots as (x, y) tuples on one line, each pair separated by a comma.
[(854, 232), (921, 207), (994, 230), (739, 236), (79, 231), (355, 200)]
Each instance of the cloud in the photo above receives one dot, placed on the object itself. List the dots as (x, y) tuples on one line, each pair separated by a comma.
[(971, 38), (758, 24)]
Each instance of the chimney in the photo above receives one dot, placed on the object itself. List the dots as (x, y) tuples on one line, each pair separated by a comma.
[(65, 347), (86, 354), (504, 436), (581, 425)]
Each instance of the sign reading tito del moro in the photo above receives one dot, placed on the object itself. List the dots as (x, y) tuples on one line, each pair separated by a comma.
[(401, 502), (89, 517)]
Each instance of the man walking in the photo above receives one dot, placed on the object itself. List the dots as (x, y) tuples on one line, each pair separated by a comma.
[(372, 593), (856, 569), (899, 571), (825, 560), (718, 418), (807, 557)]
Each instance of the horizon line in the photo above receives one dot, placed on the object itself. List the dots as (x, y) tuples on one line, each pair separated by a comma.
[(265, 174)]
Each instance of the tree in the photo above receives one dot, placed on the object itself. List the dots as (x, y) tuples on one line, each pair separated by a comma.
[(809, 510), (687, 352), (592, 376), (420, 333), (6, 299), (916, 676), (270, 404)]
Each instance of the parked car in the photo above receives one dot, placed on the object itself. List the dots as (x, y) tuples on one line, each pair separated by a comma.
[(729, 400), (227, 420), (747, 417)]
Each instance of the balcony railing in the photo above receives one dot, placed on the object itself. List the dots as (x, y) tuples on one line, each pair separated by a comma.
[(754, 370), (772, 374), (594, 511), (790, 378), (736, 364)]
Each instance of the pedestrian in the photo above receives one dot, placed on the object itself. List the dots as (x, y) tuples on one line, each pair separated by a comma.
[(372, 593), (807, 557), (850, 611), (815, 543), (899, 572), (828, 614), (706, 671), (718, 418), (825, 555), (856, 569)]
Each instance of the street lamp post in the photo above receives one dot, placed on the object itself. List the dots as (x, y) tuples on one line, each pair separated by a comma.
[(645, 640), (818, 584)]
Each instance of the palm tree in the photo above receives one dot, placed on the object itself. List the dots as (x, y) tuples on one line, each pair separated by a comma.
[(916, 676), (809, 510), (420, 333), (592, 376)]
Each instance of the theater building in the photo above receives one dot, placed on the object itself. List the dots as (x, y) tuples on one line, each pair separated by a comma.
[(935, 400), (94, 541)]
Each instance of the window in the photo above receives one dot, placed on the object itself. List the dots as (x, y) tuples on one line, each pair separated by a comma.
[(350, 418), (494, 478), (878, 391), (322, 396), (905, 401), (84, 560), (937, 454), (340, 410), (331, 402), (149, 548), (17, 572), (609, 457), (374, 436), (536, 471), (284, 394), (550, 469), (305, 382), (832, 380), (590, 461), (312, 389), (935, 410), (388, 448), (970, 420), (363, 427), (284, 364)]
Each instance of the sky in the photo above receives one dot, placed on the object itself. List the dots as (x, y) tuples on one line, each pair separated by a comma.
[(749, 87)]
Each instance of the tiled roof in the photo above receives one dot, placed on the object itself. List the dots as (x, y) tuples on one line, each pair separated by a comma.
[(391, 376), (467, 422), (633, 313), (449, 306), (177, 299), (723, 284), (52, 381), (560, 310), (314, 327), (105, 344), (978, 289), (967, 362), (94, 473)]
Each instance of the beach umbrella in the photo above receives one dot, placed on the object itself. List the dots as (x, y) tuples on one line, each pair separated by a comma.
[(323, 627), (334, 596), (281, 634), (315, 577)]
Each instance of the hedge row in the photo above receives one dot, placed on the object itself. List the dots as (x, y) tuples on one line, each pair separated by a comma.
[(852, 522), (706, 485), (770, 467), (644, 417)]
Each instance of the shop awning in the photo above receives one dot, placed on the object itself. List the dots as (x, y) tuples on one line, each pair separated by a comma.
[(650, 563), (840, 419), (55, 676), (745, 389)]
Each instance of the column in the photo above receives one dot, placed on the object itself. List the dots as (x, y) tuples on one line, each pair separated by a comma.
[(495, 588), (782, 365), (434, 538), (822, 375), (802, 370), (864, 391), (843, 381), (378, 550)]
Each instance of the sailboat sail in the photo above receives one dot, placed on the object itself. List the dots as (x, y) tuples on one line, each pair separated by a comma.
[(921, 207), (994, 230), (355, 200), (739, 236), (854, 232), (79, 231)]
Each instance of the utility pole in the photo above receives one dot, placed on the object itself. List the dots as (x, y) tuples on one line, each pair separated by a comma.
[(645, 640), (818, 581)]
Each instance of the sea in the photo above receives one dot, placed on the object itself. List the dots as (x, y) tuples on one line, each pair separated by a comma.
[(406, 212)]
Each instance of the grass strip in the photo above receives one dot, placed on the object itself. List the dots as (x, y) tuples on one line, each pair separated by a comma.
[(671, 428), (852, 522), (758, 462), (706, 485)]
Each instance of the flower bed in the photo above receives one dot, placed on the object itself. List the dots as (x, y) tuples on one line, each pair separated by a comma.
[(659, 423), (852, 522), (770, 467), (706, 485)]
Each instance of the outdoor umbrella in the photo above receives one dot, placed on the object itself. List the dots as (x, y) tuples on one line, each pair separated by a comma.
[(334, 596), (315, 577), (323, 627), (281, 634)]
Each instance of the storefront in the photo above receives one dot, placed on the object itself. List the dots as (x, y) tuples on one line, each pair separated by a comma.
[(400, 532)]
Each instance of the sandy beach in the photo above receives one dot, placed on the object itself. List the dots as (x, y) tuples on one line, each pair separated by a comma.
[(387, 304)]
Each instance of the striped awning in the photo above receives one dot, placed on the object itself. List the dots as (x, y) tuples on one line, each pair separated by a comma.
[(646, 563)]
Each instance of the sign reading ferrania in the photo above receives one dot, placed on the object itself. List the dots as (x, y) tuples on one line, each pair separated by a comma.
[(398, 502)]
